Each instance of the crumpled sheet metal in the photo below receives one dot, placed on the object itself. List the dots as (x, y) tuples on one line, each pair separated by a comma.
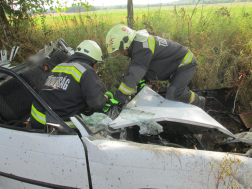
[(245, 137), (161, 109), (247, 119)]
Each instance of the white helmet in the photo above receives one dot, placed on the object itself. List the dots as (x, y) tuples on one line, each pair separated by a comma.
[(91, 49), (119, 37)]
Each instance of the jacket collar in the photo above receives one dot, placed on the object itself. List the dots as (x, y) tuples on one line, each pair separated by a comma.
[(81, 58)]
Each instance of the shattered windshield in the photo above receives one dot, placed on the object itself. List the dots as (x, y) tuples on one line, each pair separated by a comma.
[(143, 119), (97, 121)]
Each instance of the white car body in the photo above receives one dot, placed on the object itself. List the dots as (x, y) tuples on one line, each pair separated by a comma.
[(44, 160)]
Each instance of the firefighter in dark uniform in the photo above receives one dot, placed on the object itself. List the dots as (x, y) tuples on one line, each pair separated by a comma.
[(154, 58), (73, 86)]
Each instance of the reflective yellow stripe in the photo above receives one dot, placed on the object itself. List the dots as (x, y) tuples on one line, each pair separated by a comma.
[(106, 97), (154, 44), (151, 42), (192, 97), (125, 89), (68, 70), (187, 59), (41, 118), (74, 69), (70, 124)]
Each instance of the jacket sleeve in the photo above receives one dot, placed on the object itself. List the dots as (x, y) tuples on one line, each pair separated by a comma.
[(93, 90), (103, 87), (136, 71)]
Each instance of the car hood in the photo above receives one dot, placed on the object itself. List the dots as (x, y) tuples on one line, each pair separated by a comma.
[(153, 114)]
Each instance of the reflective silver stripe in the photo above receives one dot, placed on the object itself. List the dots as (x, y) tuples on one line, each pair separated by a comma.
[(76, 65), (69, 71), (70, 124), (192, 97), (187, 60), (126, 91), (42, 119), (74, 69), (145, 44)]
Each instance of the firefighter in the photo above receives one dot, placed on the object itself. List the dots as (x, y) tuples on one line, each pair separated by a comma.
[(155, 58), (73, 86)]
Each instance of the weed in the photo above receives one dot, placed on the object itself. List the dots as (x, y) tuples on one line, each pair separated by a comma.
[(218, 35), (226, 172)]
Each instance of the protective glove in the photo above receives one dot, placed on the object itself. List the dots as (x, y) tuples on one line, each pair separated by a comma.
[(141, 84), (109, 95), (109, 104)]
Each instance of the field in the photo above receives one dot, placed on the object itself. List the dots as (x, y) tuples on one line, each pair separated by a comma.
[(219, 35)]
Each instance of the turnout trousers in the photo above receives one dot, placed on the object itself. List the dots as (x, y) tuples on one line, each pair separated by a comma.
[(178, 89)]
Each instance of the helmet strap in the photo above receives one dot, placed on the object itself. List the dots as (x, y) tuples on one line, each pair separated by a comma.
[(129, 50), (93, 63), (129, 53)]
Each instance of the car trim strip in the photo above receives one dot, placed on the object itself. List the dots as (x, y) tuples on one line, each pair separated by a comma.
[(88, 168), (34, 182)]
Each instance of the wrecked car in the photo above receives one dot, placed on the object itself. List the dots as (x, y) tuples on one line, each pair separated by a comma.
[(152, 143)]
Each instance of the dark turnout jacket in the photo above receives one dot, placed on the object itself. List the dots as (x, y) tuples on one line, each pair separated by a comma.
[(70, 89), (156, 58)]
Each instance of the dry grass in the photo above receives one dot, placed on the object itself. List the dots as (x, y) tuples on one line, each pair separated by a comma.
[(218, 35)]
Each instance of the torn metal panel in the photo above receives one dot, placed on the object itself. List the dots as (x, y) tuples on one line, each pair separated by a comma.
[(146, 97), (158, 109), (246, 119), (245, 137)]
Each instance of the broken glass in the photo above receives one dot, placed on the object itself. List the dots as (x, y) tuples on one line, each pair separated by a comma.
[(143, 119), (97, 121)]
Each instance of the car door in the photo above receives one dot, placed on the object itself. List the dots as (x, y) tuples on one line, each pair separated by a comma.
[(30, 159)]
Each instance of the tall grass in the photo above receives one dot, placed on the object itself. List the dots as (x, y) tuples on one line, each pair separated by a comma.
[(220, 36)]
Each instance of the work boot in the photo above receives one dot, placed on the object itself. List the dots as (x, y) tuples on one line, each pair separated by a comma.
[(202, 102), (199, 101)]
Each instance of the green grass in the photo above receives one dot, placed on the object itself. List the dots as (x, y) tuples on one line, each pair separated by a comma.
[(206, 9), (219, 35)]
